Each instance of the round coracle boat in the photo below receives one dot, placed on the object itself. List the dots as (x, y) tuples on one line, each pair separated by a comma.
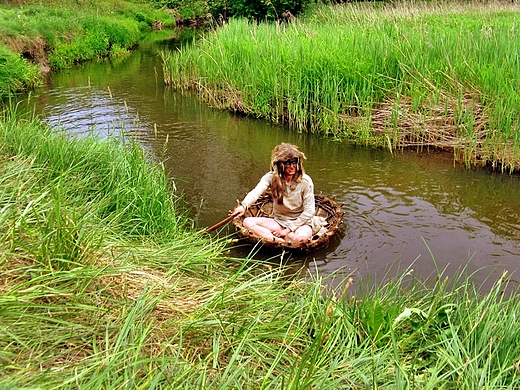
[(326, 208)]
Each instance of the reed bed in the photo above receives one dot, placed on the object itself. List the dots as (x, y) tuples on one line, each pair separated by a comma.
[(399, 75), (105, 284)]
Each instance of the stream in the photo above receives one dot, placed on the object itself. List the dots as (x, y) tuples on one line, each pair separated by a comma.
[(404, 211)]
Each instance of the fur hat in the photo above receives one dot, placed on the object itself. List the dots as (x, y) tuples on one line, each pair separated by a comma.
[(280, 154), (284, 152)]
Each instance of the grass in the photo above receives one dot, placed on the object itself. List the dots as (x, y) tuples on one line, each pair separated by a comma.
[(15, 74), (105, 284), (400, 75), (36, 38), (118, 184)]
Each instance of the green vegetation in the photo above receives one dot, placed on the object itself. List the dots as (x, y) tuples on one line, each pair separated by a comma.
[(56, 35), (15, 73), (395, 76), (259, 10), (105, 285)]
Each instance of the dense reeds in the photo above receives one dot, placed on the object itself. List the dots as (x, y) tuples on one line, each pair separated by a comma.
[(398, 75), (105, 285)]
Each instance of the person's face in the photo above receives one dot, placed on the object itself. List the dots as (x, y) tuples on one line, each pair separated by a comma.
[(290, 166)]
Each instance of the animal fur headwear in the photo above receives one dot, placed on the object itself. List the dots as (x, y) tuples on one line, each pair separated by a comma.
[(284, 152), (279, 155)]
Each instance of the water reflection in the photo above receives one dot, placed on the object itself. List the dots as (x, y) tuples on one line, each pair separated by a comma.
[(100, 112), (404, 210)]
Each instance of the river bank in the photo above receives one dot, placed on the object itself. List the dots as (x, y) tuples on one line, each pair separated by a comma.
[(104, 287), (36, 38), (437, 87)]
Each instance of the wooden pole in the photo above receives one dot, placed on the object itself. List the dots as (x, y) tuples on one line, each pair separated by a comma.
[(219, 224)]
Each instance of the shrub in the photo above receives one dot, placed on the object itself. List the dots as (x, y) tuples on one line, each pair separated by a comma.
[(258, 10), (265, 9)]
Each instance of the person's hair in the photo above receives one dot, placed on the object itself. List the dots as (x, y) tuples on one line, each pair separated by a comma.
[(279, 155)]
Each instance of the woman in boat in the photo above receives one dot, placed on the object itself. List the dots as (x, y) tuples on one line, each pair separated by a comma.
[(293, 198)]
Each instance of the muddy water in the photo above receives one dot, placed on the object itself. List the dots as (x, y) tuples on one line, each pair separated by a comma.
[(403, 211)]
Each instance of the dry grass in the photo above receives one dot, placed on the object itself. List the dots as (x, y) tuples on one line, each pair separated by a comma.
[(436, 126)]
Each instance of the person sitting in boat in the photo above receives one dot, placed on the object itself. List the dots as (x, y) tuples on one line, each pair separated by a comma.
[(293, 198)]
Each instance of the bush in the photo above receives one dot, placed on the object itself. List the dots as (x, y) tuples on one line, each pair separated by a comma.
[(258, 10), (266, 9)]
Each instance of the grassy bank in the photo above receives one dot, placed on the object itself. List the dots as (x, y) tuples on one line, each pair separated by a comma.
[(37, 37), (105, 285), (402, 75)]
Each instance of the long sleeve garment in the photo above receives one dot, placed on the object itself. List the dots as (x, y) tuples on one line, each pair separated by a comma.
[(298, 206)]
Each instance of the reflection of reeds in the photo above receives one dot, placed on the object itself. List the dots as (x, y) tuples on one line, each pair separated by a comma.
[(402, 75)]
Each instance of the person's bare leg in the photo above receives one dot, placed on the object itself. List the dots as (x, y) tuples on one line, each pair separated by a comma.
[(301, 234), (263, 227)]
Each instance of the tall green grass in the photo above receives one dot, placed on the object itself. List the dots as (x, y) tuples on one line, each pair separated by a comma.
[(15, 73), (56, 35), (106, 285), (92, 237), (112, 177), (397, 75)]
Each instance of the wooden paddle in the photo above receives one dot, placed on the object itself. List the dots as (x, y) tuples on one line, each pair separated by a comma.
[(219, 224)]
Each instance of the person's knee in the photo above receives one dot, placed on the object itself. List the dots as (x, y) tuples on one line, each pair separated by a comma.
[(300, 238), (248, 223), (302, 234)]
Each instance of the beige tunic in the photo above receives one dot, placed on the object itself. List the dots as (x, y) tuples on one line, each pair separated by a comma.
[(298, 206)]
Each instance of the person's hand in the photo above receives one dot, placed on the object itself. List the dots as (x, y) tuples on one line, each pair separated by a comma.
[(238, 211)]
